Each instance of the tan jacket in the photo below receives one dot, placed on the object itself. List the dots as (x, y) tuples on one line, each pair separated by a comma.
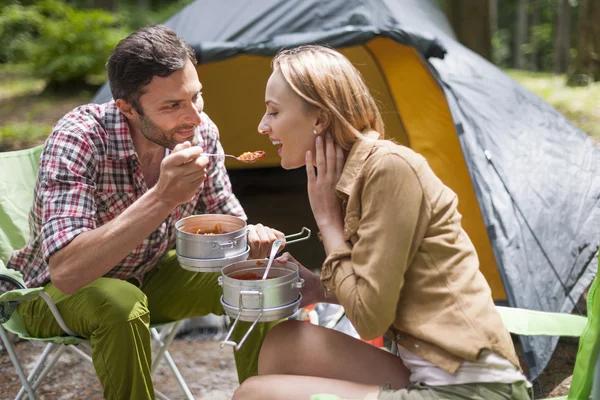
[(408, 268)]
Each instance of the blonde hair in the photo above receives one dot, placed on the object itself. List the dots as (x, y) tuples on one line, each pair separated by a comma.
[(326, 79)]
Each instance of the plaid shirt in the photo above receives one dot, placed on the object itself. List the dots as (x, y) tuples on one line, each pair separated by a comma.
[(89, 174)]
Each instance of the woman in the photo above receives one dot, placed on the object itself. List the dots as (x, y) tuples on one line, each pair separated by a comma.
[(397, 258)]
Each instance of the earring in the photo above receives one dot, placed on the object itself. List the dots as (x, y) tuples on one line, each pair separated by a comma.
[(315, 132)]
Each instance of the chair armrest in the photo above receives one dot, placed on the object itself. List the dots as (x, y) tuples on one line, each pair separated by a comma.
[(533, 323), (12, 280)]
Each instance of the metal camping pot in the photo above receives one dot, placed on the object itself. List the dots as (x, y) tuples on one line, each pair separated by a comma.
[(247, 297), (223, 240), (223, 236), (210, 264)]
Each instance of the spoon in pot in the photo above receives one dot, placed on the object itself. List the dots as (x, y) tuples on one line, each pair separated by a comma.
[(276, 245)]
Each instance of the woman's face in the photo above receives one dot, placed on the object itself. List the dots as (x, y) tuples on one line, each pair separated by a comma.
[(289, 123)]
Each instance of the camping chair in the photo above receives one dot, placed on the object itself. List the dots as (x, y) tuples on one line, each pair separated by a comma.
[(586, 373), (18, 170)]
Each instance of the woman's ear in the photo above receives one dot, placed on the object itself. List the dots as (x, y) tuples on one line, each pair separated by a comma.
[(323, 120)]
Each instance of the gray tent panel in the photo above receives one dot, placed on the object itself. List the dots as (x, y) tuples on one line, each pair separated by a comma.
[(537, 181)]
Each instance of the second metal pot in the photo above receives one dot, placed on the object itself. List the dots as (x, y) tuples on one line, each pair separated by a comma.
[(247, 297), (279, 289)]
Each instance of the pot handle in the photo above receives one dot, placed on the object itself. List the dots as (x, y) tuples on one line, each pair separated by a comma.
[(226, 245), (235, 345), (299, 284), (304, 231)]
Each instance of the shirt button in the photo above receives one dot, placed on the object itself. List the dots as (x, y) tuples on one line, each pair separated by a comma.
[(416, 346), (398, 337)]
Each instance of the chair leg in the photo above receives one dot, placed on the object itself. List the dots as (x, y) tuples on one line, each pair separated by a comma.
[(47, 368), (163, 345), (36, 368), (16, 363), (81, 353), (163, 352)]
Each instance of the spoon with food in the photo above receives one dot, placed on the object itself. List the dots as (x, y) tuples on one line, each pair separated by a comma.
[(246, 157)]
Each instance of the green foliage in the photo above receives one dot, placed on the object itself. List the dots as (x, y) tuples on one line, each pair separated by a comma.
[(19, 26), (76, 46), (136, 18), (62, 44), (501, 52), (542, 36)]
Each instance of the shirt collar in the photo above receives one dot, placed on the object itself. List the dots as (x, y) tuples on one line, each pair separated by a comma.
[(120, 144), (355, 161)]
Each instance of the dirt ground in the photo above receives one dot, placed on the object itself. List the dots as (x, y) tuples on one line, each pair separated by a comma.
[(208, 370)]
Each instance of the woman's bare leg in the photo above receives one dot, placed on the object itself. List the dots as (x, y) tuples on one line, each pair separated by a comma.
[(300, 348), (293, 387)]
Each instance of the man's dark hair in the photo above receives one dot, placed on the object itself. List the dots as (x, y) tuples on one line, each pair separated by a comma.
[(148, 52)]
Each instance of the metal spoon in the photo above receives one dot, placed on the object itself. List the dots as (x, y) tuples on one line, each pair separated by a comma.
[(220, 155), (232, 156), (276, 245)]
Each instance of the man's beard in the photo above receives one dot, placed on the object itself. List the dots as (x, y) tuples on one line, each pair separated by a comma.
[(155, 134)]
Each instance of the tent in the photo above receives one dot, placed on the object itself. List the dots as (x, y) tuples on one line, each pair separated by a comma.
[(528, 181)]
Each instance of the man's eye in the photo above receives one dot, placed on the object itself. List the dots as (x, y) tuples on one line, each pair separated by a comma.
[(173, 106), (273, 113)]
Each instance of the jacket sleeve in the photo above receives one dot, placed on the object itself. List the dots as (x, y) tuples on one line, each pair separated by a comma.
[(367, 277)]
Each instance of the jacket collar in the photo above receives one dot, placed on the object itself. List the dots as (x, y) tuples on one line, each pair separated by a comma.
[(359, 153)]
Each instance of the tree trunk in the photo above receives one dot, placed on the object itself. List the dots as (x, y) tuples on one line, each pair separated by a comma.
[(587, 63), (493, 17), (535, 63), (470, 20), (562, 37), (521, 37)]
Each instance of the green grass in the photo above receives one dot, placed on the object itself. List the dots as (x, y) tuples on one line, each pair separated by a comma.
[(27, 114), (16, 136), (17, 80), (581, 105)]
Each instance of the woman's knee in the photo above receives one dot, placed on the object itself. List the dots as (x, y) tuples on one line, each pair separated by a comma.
[(114, 301), (283, 338), (283, 334), (250, 389)]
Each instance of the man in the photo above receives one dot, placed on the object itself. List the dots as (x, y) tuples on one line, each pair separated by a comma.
[(113, 181)]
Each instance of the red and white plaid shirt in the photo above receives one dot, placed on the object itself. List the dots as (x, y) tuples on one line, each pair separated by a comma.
[(90, 173)]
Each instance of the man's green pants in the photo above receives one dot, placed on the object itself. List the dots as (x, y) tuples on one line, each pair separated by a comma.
[(115, 316)]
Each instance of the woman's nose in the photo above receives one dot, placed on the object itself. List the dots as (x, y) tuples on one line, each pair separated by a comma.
[(263, 128)]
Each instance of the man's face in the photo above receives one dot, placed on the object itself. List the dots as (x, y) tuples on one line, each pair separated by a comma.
[(172, 106)]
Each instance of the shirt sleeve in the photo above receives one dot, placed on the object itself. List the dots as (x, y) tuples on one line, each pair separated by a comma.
[(367, 277), (66, 187), (217, 195)]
